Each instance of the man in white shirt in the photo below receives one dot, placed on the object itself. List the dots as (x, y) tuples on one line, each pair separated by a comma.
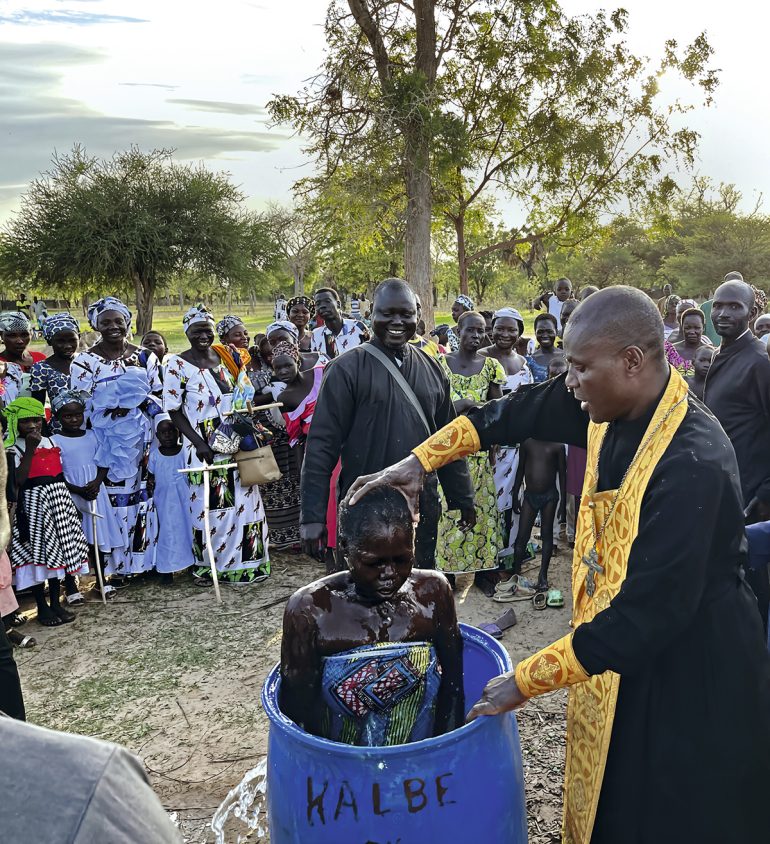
[(337, 335)]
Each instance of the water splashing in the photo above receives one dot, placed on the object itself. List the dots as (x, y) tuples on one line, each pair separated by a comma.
[(244, 810)]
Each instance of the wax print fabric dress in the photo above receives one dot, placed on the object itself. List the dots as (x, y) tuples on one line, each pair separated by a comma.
[(380, 695), (477, 549), (239, 531), (77, 457), (123, 443), (45, 378), (507, 460)]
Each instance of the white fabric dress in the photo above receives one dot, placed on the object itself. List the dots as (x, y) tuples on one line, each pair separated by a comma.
[(77, 458), (237, 515)]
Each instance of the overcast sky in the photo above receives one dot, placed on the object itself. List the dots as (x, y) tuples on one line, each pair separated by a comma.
[(196, 76)]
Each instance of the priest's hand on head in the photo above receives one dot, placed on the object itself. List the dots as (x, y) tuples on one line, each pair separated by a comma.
[(501, 694), (407, 476)]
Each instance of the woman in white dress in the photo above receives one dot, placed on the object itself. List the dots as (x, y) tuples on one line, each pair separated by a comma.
[(123, 383), (198, 389)]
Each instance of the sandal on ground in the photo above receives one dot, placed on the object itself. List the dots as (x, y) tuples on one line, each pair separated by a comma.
[(202, 581), (499, 626), (539, 600), (75, 599), (554, 599), (518, 588), (17, 619), (20, 640), (109, 591)]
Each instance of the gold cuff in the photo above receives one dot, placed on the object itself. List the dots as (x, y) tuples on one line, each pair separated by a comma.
[(457, 439), (552, 668)]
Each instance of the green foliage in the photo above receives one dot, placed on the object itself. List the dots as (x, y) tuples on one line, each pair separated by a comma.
[(134, 221), (513, 99)]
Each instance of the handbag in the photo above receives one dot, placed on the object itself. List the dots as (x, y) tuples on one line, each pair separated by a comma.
[(257, 466)]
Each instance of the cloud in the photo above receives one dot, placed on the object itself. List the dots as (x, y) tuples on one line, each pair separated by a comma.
[(149, 85), (219, 106), (65, 16), (36, 122)]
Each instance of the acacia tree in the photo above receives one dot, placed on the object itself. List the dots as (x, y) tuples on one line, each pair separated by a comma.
[(299, 234), (469, 97), (136, 218)]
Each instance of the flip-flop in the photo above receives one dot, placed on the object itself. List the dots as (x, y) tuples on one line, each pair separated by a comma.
[(539, 600), (20, 640), (75, 599), (17, 619), (499, 626), (518, 588), (554, 599)]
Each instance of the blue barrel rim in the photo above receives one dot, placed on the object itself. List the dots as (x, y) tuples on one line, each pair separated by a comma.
[(269, 697)]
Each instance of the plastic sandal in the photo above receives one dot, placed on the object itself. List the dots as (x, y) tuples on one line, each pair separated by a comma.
[(20, 640), (539, 600), (554, 599), (499, 626), (75, 599)]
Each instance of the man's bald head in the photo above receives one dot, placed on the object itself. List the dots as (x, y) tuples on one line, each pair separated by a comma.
[(618, 317), (732, 308), (733, 275), (393, 285), (614, 346)]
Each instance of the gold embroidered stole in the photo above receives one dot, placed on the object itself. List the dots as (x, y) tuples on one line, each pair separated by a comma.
[(591, 708)]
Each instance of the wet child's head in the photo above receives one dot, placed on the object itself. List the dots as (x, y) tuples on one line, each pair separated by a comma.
[(376, 536), (701, 360)]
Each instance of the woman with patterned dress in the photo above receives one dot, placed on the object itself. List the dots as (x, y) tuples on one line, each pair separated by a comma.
[(545, 333), (16, 334), (461, 305), (300, 310), (297, 390), (51, 376), (473, 379), (198, 387), (507, 327), (123, 384)]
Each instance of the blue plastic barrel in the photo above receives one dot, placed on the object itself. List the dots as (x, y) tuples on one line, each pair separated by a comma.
[(460, 788)]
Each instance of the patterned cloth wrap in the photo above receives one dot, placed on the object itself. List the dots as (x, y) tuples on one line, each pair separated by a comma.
[(380, 695), (120, 440), (59, 322), (108, 303)]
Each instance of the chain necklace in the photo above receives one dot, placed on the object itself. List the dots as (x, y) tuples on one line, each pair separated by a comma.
[(591, 559)]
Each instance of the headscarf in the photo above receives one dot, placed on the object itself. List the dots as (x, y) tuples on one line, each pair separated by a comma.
[(23, 408), (67, 397), (160, 417), (197, 313), (301, 300), (59, 322), (226, 324), (512, 313), (466, 302), (285, 325), (284, 347), (14, 321), (108, 303)]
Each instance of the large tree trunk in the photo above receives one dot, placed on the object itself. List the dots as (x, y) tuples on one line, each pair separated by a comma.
[(462, 255), (144, 289), (418, 265)]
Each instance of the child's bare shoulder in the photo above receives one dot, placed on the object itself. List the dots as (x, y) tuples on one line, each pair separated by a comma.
[(316, 594), (430, 584)]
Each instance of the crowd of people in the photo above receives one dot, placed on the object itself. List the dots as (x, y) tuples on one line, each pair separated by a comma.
[(125, 447)]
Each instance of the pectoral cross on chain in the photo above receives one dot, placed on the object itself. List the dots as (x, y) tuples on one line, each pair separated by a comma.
[(592, 561)]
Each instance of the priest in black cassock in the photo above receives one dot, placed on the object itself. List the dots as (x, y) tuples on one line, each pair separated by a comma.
[(364, 416), (668, 722)]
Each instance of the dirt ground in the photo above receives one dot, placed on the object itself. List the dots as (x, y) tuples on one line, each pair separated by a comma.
[(177, 679)]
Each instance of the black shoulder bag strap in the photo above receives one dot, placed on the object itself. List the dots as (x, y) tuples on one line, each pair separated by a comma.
[(400, 380)]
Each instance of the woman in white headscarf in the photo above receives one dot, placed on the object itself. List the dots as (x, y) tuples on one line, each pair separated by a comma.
[(198, 387), (461, 305), (124, 389)]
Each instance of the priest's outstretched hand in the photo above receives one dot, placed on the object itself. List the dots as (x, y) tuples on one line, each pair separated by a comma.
[(407, 476), (501, 694)]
